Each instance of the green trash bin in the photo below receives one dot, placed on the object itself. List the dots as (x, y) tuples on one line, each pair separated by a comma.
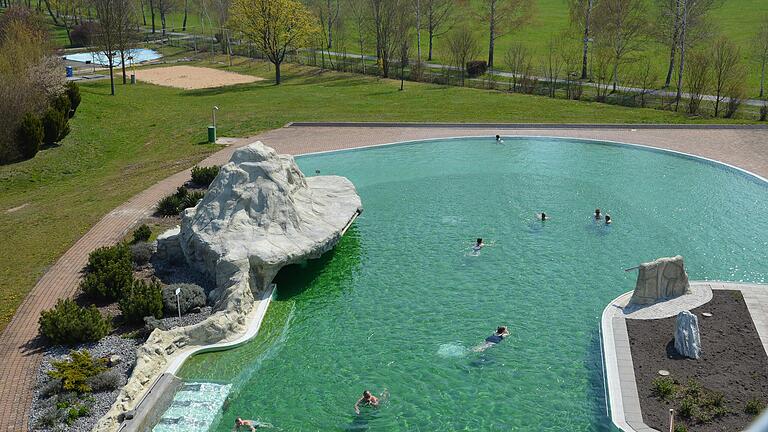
[(212, 134)]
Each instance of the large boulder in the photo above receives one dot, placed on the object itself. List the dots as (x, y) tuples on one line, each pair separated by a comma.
[(661, 279), (262, 213), (687, 336)]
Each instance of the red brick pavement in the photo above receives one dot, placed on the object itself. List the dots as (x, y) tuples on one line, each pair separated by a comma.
[(20, 352)]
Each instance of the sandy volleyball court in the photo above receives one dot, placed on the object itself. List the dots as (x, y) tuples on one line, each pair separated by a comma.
[(191, 77)]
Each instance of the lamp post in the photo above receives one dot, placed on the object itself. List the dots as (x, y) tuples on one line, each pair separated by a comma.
[(212, 129), (178, 302), (213, 111)]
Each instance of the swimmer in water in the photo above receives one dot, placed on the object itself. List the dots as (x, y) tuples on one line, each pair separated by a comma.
[(607, 219), (367, 399), (247, 424), (542, 216), (597, 214), (499, 140), (478, 245), (493, 339)]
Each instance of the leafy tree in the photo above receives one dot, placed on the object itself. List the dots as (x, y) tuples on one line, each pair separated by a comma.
[(274, 26)]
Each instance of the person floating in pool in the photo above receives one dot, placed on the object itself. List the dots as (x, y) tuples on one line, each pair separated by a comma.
[(499, 140), (366, 400), (493, 339), (542, 216), (478, 245), (607, 219), (598, 216), (247, 424)]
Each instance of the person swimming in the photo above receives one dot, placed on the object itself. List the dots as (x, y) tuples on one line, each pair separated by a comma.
[(499, 140), (493, 339), (366, 400), (240, 423), (597, 214), (478, 245), (607, 219), (542, 216)]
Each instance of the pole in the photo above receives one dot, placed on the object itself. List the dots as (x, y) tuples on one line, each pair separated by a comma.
[(213, 111), (178, 302), (671, 420)]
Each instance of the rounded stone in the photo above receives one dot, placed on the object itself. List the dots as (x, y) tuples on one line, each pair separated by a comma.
[(706, 314), (663, 372)]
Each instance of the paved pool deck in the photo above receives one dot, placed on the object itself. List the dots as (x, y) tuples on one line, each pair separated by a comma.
[(20, 349)]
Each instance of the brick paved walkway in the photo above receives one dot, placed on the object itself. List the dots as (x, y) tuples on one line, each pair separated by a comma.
[(20, 351)]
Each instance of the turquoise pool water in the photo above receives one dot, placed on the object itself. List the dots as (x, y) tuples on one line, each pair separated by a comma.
[(139, 55), (401, 301)]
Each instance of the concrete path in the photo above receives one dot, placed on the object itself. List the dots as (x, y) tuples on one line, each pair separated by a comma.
[(20, 351)]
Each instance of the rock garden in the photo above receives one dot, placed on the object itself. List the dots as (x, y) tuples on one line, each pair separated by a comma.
[(126, 292)]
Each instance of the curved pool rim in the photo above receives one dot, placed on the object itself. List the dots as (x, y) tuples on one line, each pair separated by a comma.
[(643, 147)]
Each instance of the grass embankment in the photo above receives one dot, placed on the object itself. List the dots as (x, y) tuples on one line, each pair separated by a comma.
[(121, 145)]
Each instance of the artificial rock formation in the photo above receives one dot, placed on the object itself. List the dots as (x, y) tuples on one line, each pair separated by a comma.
[(661, 279), (259, 214), (687, 337)]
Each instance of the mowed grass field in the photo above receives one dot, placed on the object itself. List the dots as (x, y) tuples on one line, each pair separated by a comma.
[(121, 145)]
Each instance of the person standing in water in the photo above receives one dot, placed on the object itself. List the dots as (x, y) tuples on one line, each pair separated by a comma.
[(607, 219), (493, 339), (598, 216), (499, 140), (366, 400), (478, 245), (542, 216)]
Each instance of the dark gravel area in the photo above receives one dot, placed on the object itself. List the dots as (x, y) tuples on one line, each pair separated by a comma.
[(98, 402), (733, 362)]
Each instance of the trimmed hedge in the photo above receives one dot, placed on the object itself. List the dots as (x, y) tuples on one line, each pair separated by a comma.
[(203, 176), (190, 297), (140, 300), (67, 323), (110, 272)]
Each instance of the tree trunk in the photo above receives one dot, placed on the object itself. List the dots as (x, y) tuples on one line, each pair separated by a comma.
[(681, 67), (418, 30), (50, 12), (330, 25), (143, 14), (586, 41), (152, 14), (277, 73), (671, 68), (492, 34), (162, 21), (762, 77), (122, 63), (184, 23), (111, 75), (615, 75), (431, 36)]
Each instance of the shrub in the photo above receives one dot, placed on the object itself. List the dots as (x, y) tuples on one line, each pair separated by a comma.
[(50, 387), (140, 300), (29, 135), (203, 176), (55, 126), (191, 199), (73, 94), (75, 412), (110, 272), (169, 206), (688, 408), (107, 380), (663, 387), (74, 373), (142, 233), (681, 428), (49, 418), (68, 323), (190, 297), (475, 68), (764, 111), (142, 253), (754, 407), (82, 34)]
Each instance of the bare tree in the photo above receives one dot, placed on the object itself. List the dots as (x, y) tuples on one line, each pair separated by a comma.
[(164, 7), (697, 78), (760, 53), (581, 18), (504, 17), (735, 91), (390, 18), (328, 13), (692, 22), (125, 32), (462, 47), (669, 26), (66, 14), (644, 79), (620, 25), (109, 13), (553, 63), (359, 14), (601, 71), (725, 68), (438, 17), (518, 61)]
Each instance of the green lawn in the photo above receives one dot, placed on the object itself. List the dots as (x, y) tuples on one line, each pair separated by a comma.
[(121, 145)]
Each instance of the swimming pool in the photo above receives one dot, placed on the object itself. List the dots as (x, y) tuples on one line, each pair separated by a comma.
[(139, 55), (401, 301)]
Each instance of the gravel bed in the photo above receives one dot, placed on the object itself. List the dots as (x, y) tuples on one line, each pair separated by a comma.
[(97, 402), (188, 319)]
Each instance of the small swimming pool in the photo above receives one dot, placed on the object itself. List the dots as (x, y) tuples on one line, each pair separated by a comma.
[(402, 300), (139, 55)]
